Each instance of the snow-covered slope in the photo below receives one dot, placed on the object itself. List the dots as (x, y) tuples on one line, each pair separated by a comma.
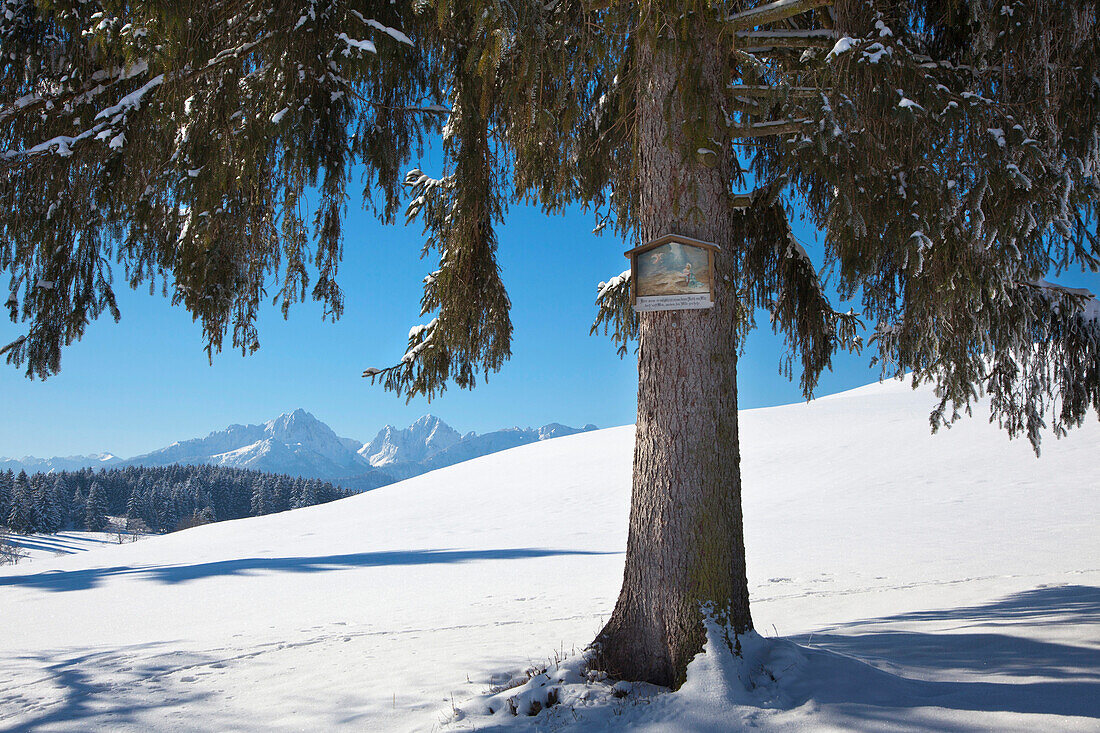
[(947, 582)]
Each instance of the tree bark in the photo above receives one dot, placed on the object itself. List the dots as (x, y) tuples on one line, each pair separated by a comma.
[(685, 550)]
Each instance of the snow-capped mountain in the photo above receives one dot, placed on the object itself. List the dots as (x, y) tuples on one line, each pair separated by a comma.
[(434, 443), (425, 437), (429, 443), (473, 445), (30, 464), (298, 444), (294, 443)]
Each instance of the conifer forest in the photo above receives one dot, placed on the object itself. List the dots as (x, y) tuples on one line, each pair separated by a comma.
[(150, 499)]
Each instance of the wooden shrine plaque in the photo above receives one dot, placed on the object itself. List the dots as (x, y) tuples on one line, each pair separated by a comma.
[(672, 272)]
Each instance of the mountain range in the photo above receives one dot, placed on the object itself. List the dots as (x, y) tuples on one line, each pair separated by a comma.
[(298, 444)]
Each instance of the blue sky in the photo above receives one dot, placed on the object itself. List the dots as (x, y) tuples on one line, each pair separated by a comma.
[(145, 382)]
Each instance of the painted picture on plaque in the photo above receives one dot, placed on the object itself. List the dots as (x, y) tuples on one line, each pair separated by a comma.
[(673, 269)]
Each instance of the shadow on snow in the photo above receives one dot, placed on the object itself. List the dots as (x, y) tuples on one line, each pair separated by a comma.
[(87, 701), (70, 580), (58, 543), (897, 673), (874, 666)]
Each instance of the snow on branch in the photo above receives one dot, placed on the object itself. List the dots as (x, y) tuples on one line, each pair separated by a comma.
[(425, 191), (767, 129), (391, 32), (1071, 300), (420, 338), (786, 39), (98, 82), (356, 45), (615, 311), (107, 119), (110, 122), (131, 101)]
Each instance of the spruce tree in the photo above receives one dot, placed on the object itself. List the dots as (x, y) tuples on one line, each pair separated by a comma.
[(95, 510), (21, 516), (63, 497), (948, 149), (7, 481), (78, 505), (261, 497), (162, 493), (133, 504), (311, 492), (47, 513)]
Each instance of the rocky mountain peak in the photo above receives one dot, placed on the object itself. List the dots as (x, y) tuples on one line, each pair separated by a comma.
[(290, 423), (425, 437)]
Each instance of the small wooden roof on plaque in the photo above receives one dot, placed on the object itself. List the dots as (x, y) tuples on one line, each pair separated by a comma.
[(673, 272)]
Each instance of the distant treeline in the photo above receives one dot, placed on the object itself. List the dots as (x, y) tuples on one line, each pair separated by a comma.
[(155, 499)]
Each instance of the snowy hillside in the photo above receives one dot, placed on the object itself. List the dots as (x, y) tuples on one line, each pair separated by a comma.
[(947, 582)]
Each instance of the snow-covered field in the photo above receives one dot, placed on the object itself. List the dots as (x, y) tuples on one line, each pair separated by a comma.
[(947, 582)]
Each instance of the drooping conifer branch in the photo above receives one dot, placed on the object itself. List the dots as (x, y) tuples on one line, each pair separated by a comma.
[(977, 191), (471, 329), (185, 155), (782, 279)]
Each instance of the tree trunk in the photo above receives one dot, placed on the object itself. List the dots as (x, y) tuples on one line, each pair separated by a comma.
[(685, 550)]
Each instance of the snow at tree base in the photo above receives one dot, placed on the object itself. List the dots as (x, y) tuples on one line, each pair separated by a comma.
[(900, 581)]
